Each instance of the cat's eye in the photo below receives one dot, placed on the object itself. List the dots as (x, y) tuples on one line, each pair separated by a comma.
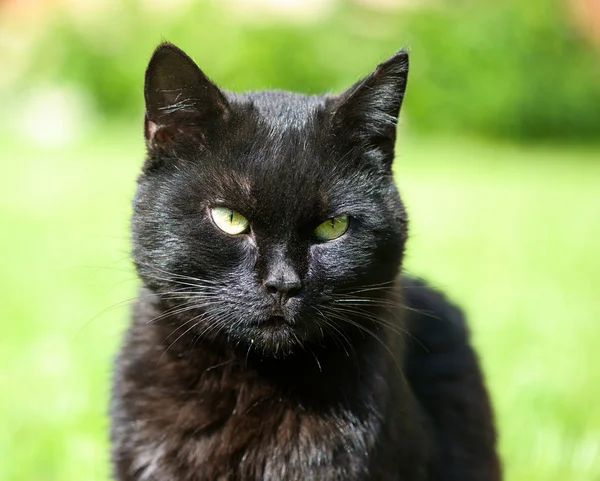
[(332, 228), (228, 220)]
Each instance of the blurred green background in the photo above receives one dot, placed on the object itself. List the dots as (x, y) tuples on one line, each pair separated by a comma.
[(498, 162)]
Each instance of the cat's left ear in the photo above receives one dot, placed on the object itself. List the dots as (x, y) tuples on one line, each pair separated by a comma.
[(367, 113), (180, 99)]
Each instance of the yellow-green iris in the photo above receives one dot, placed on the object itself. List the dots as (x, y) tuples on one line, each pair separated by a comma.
[(229, 220), (332, 228)]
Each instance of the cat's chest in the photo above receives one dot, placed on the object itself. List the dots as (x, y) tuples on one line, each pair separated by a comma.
[(259, 435)]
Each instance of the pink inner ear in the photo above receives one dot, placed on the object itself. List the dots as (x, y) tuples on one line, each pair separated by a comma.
[(162, 136), (156, 134), (151, 129)]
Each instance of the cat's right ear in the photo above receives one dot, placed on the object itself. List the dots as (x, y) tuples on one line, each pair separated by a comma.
[(365, 115), (180, 99)]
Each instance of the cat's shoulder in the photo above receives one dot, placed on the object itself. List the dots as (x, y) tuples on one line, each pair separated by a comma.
[(444, 374), (438, 339), (430, 315)]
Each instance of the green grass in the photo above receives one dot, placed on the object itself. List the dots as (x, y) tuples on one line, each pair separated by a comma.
[(511, 234)]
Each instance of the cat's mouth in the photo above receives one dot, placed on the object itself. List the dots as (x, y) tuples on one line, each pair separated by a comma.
[(275, 321), (274, 335)]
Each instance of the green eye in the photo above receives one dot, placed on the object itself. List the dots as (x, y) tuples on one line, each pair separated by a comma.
[(332, 228), (229, 220)]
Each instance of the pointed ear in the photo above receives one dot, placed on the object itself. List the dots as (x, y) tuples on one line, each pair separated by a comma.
[(367, 113), (180, 99)]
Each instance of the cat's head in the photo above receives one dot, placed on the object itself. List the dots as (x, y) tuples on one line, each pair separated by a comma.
[(269, 219)]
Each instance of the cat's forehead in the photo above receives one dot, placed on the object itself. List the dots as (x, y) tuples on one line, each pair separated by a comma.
[(279, 148), (279, 109)]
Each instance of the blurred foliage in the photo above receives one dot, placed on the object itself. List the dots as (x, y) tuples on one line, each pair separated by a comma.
[(512, 69), (504, 69)]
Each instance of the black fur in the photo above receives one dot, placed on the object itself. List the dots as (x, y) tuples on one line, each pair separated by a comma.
[(271, 355)]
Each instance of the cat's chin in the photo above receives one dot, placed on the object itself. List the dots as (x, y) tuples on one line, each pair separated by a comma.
[(274, 339)]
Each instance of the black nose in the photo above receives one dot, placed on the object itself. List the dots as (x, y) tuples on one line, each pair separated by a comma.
[(281, 278), (283, 288)]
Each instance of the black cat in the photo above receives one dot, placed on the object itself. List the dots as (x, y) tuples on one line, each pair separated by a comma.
[(273, 338)]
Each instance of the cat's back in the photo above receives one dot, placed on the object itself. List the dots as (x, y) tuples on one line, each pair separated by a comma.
[(444, 373)]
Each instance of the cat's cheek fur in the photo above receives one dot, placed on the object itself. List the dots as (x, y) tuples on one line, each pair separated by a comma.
[(343, 264)]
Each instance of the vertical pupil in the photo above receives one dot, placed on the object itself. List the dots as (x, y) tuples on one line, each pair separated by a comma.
[(333, 223), (231, 217)]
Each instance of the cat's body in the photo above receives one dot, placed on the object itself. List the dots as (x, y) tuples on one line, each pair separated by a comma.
[(280, 351)]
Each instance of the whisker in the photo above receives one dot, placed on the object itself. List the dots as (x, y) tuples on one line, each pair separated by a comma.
[(175, 341), (378, 320), (313, 354), (340, 332), (372, 334)]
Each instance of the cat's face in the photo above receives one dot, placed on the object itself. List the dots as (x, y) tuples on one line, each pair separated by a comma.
[(265, 218)]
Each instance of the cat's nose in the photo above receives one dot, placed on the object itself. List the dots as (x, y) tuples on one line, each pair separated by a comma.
[(282, 288), (281, 279)]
